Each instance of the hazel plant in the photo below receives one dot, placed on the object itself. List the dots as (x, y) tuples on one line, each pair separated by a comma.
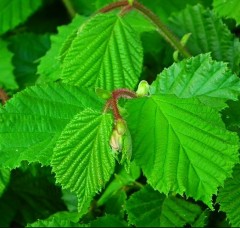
[(118, 119)]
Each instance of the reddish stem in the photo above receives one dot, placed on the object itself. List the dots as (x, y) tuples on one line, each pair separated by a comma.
[(161, 28), (113, 101), (124, 93), (3, 96)]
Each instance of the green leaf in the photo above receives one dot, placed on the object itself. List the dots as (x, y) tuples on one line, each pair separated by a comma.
[(108, 221), (31, 194), (27, 49), (149, 208), (120, 181), (210, 81), (7, 79), (70, 199), (59, 219), (202, 219), (229, 197), (228, 9), (15, 12), (49, 67), (209, 34), (4, 179), (82, 158), (164, 8), (32, 121), (185, 143), (112, 59)]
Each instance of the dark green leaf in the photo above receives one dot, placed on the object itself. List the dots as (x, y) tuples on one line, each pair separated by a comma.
[(27, 49), (7, 79), (149, 208), (209, 34), (229, 197)]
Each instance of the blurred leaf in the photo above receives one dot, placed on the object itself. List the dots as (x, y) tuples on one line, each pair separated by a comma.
[(32, 195), (108, 221), (149, 208), (4, 179), (27, 49), (14, 12), (229, 197), (49, 67), (7, 79), (208, 34), (228, 9)]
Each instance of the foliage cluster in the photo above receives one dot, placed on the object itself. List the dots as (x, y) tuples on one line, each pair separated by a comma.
[(119, 113)]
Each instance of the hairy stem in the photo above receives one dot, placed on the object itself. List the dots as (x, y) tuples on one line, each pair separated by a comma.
[(113, 101), (161, 28), (68, 5)]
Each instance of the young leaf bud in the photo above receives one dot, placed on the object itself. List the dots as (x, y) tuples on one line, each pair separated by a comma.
[(120, 126), (143, 89), (104, 94), (116, 141)]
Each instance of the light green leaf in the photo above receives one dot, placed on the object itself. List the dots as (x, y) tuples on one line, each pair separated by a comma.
[(27, 49), (149, 208), (108, 221), (208, 34), (7, 79), (82, 158), (228, 9), (210, 81), (32, 121), (49, 67), (185, 144), (15, 12), (229, 197), (107, 53), (59, 219), (4, 179), (139, 22)]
